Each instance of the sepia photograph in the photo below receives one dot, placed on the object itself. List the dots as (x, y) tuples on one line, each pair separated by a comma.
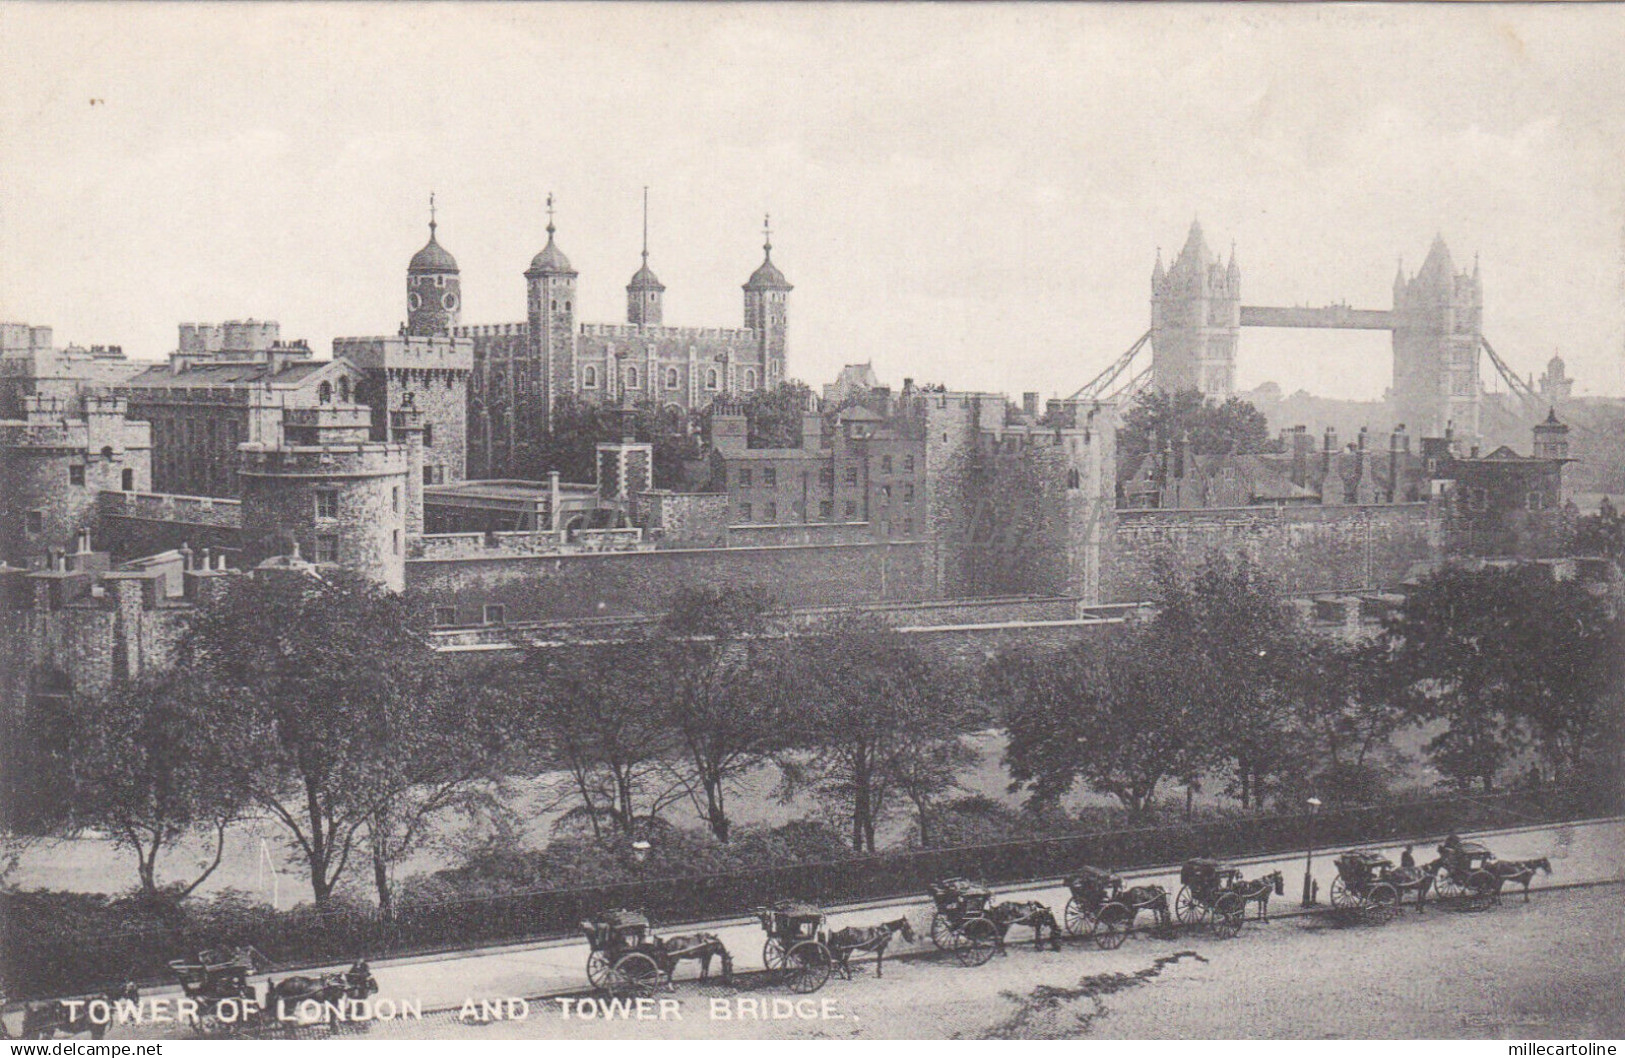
[(1115, 534)]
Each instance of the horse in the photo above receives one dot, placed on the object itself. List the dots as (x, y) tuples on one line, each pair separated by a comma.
[(1519, 872), (330, 988), (1258, 892), (1153, 898), (1025, 913), (1420, 879), (42, 1021), (852, 939), (701, 947)]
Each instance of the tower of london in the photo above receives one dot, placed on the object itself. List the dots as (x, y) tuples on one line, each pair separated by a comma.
[(523, 370)]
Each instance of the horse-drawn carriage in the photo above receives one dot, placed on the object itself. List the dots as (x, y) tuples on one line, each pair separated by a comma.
[(961, 923), (1368, 885), (1104, 910), (1464, 875), (218, 981), (797, 950), (228, 1004), (1210, 894), (625, 957)]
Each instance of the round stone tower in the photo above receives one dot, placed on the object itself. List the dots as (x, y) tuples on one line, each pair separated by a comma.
[(344, 500)]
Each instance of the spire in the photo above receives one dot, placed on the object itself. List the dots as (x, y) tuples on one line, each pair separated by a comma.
[(550, 216), (1157, 272), (767, 235), (1438, 265), (644, 279), (432, 224), (1234, 269)]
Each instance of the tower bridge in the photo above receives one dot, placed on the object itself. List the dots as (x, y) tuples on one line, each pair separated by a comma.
[(1436, 322)]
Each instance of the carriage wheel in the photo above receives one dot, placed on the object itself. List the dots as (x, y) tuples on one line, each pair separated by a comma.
[(942, 931), (1381, 903), (1079, 919), (1187, 909), (1481, 891), (1229, 913), (634, 974), (773, 955), (1444, 886), (597, 969), (1341, 896), (807, 966), (975, 942), (1111, 926)]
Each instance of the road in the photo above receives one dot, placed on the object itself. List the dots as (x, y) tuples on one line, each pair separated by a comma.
[(1583, 852)]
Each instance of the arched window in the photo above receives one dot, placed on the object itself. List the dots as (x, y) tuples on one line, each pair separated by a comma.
[(671, 378), (711, 378), (631, 378), (344, 388), (324, 393), (589, 377), (750, 379)]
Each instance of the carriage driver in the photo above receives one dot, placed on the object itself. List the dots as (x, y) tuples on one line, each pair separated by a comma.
[(1407, 861)]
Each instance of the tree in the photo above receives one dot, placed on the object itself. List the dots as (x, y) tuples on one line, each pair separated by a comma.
[(1118, 713), (872, 715), (452, 753), (721, 674), (154, 762), (1347, 717), (1602, 533), (578, 426), (1234, 426), (1502, 656), (773, 416), (1226, 620), (597, 713), (337, 675)]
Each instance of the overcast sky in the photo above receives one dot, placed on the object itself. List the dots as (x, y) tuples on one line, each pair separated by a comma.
[(965, 194)]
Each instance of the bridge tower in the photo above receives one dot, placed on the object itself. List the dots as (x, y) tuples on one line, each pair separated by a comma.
[(1195, 320), (1438, 327)]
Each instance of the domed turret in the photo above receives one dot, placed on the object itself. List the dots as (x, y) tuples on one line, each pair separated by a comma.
[(551, 261), (766, 311), (433, 287)]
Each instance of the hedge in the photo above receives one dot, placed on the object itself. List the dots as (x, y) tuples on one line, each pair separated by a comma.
[(40, 955)]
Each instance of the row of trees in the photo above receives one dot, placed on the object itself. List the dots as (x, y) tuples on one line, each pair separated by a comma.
[(1225, 681), (317, 702)]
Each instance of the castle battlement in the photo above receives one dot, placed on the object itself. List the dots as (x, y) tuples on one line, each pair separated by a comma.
[(407, 352), (491, 330), (164, 507), (629, 330), (367, 459)]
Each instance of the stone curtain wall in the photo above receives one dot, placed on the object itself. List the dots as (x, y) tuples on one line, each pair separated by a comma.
[(1308, 548), (563, 587)]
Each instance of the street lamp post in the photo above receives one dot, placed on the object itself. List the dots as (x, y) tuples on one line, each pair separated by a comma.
[(1309, 859)]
